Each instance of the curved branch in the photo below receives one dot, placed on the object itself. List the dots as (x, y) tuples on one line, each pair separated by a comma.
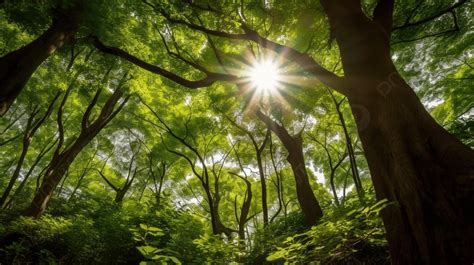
[(204, 82)]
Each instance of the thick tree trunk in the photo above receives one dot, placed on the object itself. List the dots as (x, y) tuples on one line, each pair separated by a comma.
[(17, 66), (413, 161)]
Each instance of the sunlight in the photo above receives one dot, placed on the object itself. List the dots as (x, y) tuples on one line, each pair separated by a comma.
[(264, 75)]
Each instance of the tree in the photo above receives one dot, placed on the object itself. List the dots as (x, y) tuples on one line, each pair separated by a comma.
[(412, 159), (294, 145), (258, 152), (32, 125), (212, 192), (65, 155)]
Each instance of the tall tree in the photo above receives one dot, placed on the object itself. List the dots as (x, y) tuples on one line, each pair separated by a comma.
[(294, 145), (212, 192), (65, 155), (259, 148), (32, 125)]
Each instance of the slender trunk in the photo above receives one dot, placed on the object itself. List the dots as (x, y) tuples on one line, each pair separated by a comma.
[(78, 184), (126, 187), (413, 161), (160, 186), (119, 196), (350, 150), (64, 178), (278, 183), (217, 226), (263, 185), (84, 172), (32, 127), (244, 211), (344, 187), (294, 145), (16, 173), (333, 187), (258, 151), (213, 199), (17, 66), (18, 190), (308, 202), (63, 159)]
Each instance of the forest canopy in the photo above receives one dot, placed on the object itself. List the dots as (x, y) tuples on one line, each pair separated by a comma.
[(236, 132)]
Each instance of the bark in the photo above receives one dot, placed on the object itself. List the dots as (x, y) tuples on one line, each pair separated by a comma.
[(294, 145), (121, 192), (62, 159), (160, 186), (413, 161), (18, 66)]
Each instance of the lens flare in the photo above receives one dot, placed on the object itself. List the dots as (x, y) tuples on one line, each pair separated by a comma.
[(264, 76)]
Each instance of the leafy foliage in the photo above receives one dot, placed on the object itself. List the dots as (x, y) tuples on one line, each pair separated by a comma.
[(352, 234)]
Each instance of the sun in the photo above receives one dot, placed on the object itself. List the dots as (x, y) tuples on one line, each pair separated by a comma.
[(264, 75)]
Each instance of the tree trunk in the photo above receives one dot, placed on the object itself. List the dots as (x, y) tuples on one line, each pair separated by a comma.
[(350, 150), (51, 179), (294, 145), (53, 175), (333, 187), (160, 186), (32, 127), (18, 190), (413, 161), (16, 173), (17, 66), (63, 159), (308, 202), (263, 187), (119, 196)]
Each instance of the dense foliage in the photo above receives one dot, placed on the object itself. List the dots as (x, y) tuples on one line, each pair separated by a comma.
[(108, 159)]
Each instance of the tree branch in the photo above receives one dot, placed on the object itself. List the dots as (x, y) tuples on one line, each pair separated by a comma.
[(204, 82), (408, 24)]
